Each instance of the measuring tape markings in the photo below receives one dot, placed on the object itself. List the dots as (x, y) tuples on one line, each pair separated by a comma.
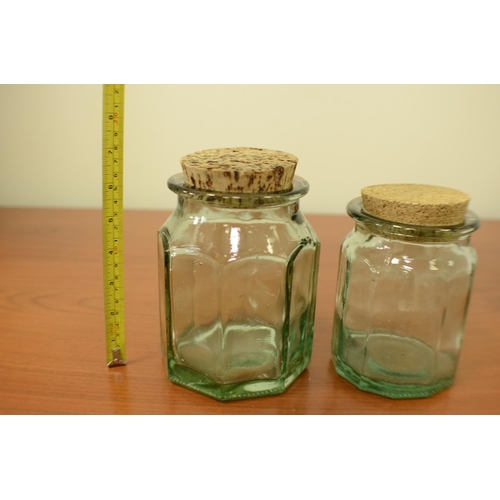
[(112, 224)]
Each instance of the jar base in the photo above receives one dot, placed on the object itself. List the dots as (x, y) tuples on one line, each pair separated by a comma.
[(389, 389), (196, 381)]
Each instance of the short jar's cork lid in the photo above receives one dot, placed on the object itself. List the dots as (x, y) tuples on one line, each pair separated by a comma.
[(416, 204), (240, 170)]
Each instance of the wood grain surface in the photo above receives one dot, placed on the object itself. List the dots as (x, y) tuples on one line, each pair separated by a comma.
[(52, 340)]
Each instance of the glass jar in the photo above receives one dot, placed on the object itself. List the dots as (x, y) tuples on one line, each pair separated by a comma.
[(238, 276), (402, 295)]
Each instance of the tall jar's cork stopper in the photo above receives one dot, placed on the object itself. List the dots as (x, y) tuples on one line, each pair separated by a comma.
[(240, 170), (417, 204)]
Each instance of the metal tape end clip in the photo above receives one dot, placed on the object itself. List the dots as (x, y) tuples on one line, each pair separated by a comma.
[(117, 358)]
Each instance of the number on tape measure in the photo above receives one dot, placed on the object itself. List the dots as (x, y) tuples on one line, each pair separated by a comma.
[(112, 221)]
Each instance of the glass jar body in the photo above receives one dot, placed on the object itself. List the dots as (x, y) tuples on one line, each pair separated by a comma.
[(237, 292), (401, 303)]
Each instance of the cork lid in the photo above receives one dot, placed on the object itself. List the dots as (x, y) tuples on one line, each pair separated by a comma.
[(241, 170), (417, 204)]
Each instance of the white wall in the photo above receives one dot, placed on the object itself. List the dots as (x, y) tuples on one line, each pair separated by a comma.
[(346, 137)]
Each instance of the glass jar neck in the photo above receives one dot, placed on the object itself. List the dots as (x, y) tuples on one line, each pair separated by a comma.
[(408, 232), (238, 200)]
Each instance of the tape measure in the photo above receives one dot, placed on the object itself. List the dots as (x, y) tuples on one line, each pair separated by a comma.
[(112, 221)]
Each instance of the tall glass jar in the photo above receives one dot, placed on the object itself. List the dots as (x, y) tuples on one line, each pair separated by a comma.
[(238, 275), (404, 280)]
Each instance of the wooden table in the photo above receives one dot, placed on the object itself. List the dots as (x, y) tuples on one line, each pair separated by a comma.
[(52, 341)]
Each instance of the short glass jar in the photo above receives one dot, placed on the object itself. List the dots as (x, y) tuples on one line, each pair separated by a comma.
[(238, 277), (403, 291)]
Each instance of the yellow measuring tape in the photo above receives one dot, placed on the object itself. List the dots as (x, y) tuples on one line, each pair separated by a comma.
[(112, 221)]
